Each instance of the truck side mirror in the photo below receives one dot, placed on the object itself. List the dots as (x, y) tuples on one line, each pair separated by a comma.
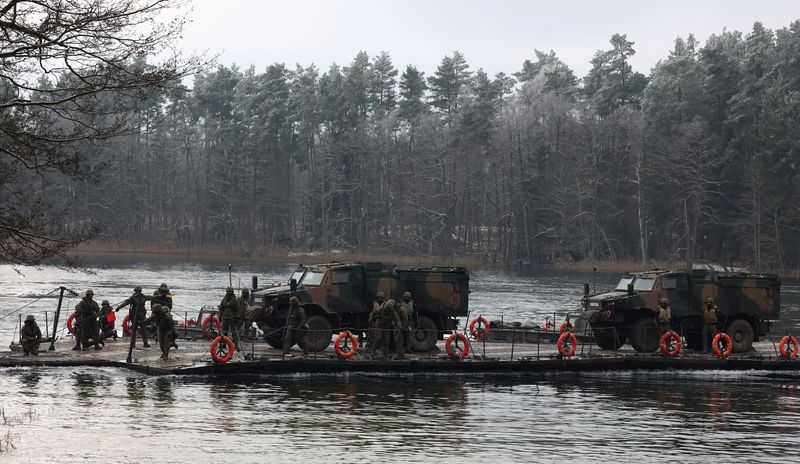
[(630, 289), (293, 285), (585, 289), (255, 282)]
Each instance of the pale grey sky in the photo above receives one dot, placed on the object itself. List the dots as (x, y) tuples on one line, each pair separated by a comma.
[(495, 35)]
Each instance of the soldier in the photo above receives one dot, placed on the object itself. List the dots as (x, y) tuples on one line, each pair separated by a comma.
[(372, 333), (403, 330), (165, 325), (386, 327), (161, 296), (88, 310), (710, 317), (230, 312), (136, 303), (244, 305), (30, 336), (408, 306), (295, 327), (106, 321), (664, 315)]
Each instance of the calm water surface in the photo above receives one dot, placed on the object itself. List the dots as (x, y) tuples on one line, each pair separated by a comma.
[(99, 415)]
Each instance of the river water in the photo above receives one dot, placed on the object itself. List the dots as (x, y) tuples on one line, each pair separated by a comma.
[(85, 415)]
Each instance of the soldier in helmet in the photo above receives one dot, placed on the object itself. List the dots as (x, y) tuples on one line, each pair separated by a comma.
[(162, 296), (30, 336), (88, 311), (296, 329), (137, 312), (387, 328), (107, 321), (710, 318), (664, 315), (372, 334), (230, 311), (406, 305), (165, 325), (244, 305)]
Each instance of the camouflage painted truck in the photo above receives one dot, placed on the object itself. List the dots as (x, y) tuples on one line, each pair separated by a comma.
[(339, 296), (746, 302)]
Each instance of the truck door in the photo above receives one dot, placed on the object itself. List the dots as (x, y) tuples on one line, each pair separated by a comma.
[(678, 293), (346, 294)]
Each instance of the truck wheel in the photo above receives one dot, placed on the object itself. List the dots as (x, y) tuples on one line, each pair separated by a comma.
[(741, 333), (644, 335), (273, 336), (608, 339), (319, 333), (425, 334)]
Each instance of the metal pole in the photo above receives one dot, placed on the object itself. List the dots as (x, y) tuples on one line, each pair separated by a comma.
[(538, 341), (55, 319), (20, 324), (485, 332), (134, 329), (513, 340), (230, 276), (46, 326), (185, 325)]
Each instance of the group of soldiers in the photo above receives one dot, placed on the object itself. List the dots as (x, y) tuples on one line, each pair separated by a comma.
[(710, 319)]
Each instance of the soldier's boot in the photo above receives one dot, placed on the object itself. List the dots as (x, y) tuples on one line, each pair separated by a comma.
[(97, 345), (77, 346), (115, 334)]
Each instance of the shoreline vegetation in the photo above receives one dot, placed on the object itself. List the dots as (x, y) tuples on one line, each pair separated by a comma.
[(229, 253)]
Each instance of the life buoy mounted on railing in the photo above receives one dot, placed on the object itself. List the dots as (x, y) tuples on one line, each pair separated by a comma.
[(674, 339), (71, 320), (208, 332), (566, 326), (221, 349), (793, 348), (340, 345), (724, 339), (479, 332), (567, 343), (126, 326), (451, 350)]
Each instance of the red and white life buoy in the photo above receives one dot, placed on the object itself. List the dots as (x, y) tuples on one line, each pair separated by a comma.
[(451, 350), (566, 326), (218, 357), (725, 351), (675, 339), (70, 321), (479, 332), (793, 348), (567, 349), (126, 325), (340, 345), (208, 332)]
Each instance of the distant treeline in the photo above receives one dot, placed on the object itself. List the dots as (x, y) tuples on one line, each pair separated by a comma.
[(697, 161)]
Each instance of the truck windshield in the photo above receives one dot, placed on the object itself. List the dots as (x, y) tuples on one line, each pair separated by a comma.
[(297, 275), (312, 278), (643, 285), (623, 283)]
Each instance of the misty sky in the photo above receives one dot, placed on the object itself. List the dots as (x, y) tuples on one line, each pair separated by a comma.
[(497, 36)]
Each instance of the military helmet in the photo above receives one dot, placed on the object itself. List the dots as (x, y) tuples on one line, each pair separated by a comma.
[(163, 288), (229, 289), (105, 303), (406, 294), (389, 304), (663, 301), (137, 289), (89, 292), (245, 291), (380, 295), (294, 300), (30, 318), (157, 307)]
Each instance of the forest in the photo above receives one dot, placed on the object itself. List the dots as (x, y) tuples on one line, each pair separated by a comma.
[(695, 162)]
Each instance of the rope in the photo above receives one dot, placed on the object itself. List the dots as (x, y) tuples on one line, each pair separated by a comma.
[(14, 311)]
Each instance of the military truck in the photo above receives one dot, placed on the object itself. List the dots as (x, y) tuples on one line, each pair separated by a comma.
[(339, 296), (746, 302)]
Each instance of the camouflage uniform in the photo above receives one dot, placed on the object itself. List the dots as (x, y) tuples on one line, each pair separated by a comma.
[(710, 318), (244, 305), (664, 316), (405, 311), (294, 327), (387, 327), (165, 325), (30, 336), (106, 328), (372, 332), (162, 297), (136, 303), (231, 312), (88, 310)]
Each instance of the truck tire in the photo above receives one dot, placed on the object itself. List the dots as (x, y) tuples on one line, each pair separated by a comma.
[(644, 335), (742, 335), (272, 336), (608, 339), (425, 334), (319, 333)]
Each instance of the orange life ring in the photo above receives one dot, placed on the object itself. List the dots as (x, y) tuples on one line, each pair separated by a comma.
[(676, 343), (340, 345), (448, 346), (70, 321), (565, 326), (215, 355), (126, 326), (722, 353), (792, 353), (482, 330), (208, 333), (573, 341)]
